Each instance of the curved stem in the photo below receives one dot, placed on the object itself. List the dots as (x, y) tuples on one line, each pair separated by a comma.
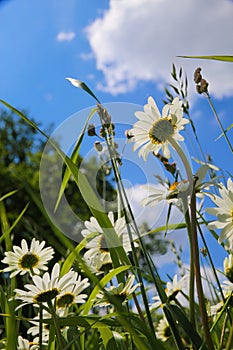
[(184, 159)]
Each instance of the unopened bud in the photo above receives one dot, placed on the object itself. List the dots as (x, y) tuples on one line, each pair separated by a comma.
[(198, 89), (103, 132), (98, 147), (204, 85), (129, 134), (197, 75), (91, 130)]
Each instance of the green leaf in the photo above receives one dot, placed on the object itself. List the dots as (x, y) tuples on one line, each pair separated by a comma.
[(225, 131), (216, 58), (108, 339), (165, 228), (74, 158), (7, 195), (88, 305), (80, 84), (188, 328), (8, 230), (66, 266)]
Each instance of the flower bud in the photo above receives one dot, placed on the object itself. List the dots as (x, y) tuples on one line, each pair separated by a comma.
[(204, 85), (197, 75), (98, 147), (91, 130), (128, 134)]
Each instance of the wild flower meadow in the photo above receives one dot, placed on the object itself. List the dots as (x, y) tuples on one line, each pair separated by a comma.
[(104, 291)]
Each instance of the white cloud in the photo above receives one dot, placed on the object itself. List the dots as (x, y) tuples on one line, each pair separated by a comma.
[(138, 40), (65, 36)]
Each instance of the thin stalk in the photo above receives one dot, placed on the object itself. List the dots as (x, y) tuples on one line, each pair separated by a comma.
[(194, 248), (40, 327), (56, 325), (211, 263), (200, 294), (122, 195), (192, 276), (229, 340), (219, 121)]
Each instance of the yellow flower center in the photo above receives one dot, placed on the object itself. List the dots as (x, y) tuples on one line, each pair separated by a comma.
[(103, 247), (47, 295), (28, 261), (232, 215), (173, 186), (65, 300), (161, 130)]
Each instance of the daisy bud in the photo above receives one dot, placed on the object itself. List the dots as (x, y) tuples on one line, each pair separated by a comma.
[(204, 85), (128, 134), (91, 130), (98, 147), (197, 75)]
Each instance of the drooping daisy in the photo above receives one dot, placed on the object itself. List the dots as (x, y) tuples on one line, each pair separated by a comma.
[(153, 131), (121, 292), (164, 192), (163, 330), (173, 288), (97, 246), (46, 288), (28, 259), (172, 192), (224, 212), (24, 344)]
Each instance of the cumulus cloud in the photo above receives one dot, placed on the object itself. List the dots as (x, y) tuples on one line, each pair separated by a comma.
[(65, 36), (138, 40)]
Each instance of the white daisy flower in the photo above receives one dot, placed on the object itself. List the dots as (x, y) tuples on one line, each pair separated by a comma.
[(24, 259), (46, 288), (163, 331), (171, 193), (153, 130), (99, 263), (24, 344), (97, 246), (227, 290), (173, 288), (164, 192), (224, 212), (121, 292), (71, 294)]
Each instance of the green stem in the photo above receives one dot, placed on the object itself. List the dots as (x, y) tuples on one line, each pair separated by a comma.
[(56, 324), (40, 327), (194, 243), (219, 121), (192, 276), (200, 294)]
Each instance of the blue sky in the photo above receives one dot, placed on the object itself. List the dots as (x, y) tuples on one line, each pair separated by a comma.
[(123, 50)]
